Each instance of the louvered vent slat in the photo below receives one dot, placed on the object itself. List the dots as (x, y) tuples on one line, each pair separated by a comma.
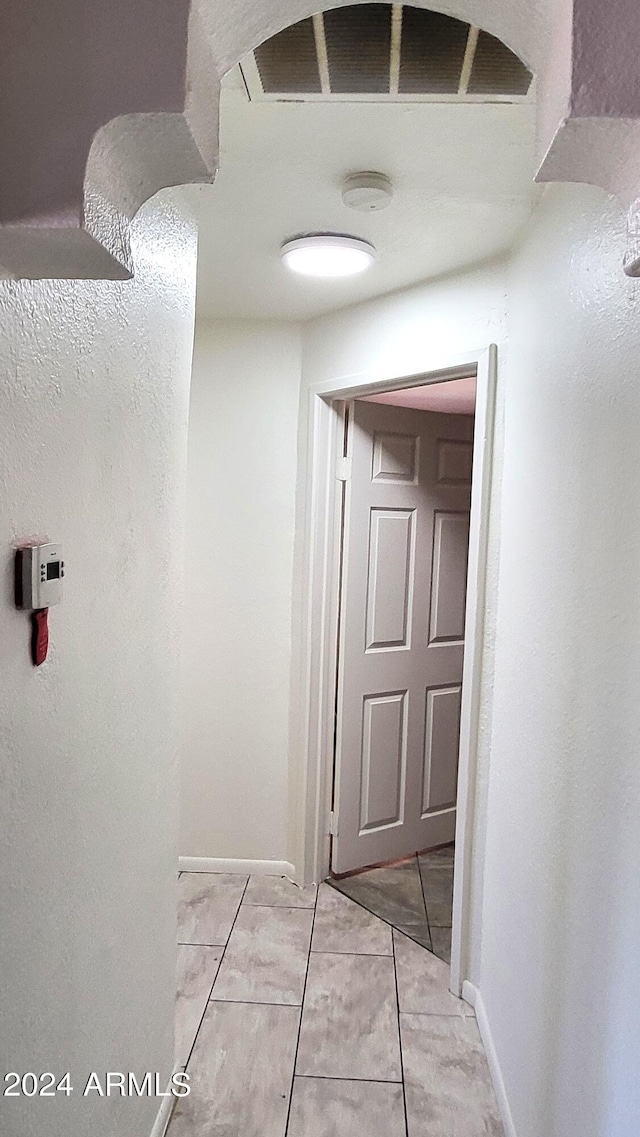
[(432, 52), (433, 56), (288, 63), (358, 47), (496, 70)]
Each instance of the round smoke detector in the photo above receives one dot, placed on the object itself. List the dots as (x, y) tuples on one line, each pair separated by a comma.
[(367, 191)]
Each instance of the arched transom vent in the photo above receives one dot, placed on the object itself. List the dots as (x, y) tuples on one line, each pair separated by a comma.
[(381, 52)]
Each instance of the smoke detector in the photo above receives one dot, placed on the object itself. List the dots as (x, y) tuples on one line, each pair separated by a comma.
[(367, 191)]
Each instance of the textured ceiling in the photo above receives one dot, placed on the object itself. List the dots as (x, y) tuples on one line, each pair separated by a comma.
[(463, 177), (457, 397)]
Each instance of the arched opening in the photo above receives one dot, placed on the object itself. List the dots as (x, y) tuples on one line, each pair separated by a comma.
[(452, 120)]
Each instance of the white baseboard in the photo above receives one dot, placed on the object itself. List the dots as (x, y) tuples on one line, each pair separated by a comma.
[(163, 1116), (471, 994), (240, 865)]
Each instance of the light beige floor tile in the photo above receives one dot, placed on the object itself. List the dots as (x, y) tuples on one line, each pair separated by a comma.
[(436, 871), (418, 932), (326, 1107), (341, 925), (441, 939), (423, 981), (207, 906), (447, 1083), (393, 892), (277, 891), (196, 971), (266, 957), (241, 1069), (349, 1021)]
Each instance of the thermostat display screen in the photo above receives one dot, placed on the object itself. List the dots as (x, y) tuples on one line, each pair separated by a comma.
[(53, 570)]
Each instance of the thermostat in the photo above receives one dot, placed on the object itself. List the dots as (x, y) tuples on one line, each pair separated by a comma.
[(42, 574)]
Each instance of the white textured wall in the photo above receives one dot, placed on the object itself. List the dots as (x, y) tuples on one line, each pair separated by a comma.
[(93, 411), (561, 913), (237, 644), (409, 331)]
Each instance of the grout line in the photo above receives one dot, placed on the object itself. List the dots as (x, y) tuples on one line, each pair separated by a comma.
[(195, 1039), (404, 1089), (190, 943), (253, 1002), (337, 1078), (296, 907), (279, 907), (358, 954), (424, 900), (304, 991)]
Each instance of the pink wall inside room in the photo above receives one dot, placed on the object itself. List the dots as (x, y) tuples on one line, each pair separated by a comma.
[(457, 397)]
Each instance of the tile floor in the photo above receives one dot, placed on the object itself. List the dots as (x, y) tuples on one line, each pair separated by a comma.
[(415, 896), (301, 1014)]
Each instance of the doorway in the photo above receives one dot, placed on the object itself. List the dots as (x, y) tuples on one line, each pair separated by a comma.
[(404, 549), (322, 572)]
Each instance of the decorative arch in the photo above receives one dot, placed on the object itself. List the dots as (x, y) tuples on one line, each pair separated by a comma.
[(105, 105)]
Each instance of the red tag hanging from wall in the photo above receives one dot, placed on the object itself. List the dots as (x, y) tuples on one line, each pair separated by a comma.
[(40, 635)]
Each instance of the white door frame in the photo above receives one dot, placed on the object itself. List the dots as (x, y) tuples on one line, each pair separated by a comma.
[(314, 686)]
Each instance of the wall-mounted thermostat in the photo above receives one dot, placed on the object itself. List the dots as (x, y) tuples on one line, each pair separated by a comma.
[(42, 573)]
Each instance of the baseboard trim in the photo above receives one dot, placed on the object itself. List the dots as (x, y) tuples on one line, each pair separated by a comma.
[(240, 865), (163, 1116), (471, 994)]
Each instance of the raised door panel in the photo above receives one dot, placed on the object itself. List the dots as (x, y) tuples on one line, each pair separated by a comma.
[(390, 578), (441, 742), (448, 577), (395, 458), (383, 761), (455, 458)]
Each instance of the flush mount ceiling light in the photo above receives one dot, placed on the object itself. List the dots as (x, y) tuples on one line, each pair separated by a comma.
[(328, 255)]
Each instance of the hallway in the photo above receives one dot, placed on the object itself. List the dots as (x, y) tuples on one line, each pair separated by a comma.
[(302, 1014)]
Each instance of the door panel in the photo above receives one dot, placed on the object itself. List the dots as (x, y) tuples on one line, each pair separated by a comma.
[(448, 577), (454, 462), (442, 739), (395, 458), (384, 759), (390, 578), (402, 632)]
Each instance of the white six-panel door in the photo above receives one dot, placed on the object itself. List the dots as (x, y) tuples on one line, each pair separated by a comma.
[(402, 632)]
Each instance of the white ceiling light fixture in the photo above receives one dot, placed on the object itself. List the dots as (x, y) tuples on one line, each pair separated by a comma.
[(328, 255)]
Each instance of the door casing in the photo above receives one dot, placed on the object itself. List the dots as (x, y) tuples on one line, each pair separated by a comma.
[(315, 639)]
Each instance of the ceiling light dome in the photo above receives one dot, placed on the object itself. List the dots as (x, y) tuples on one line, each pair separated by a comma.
[(328, 255)]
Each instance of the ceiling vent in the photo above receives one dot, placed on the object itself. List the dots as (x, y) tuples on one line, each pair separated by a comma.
[(380, 52)]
